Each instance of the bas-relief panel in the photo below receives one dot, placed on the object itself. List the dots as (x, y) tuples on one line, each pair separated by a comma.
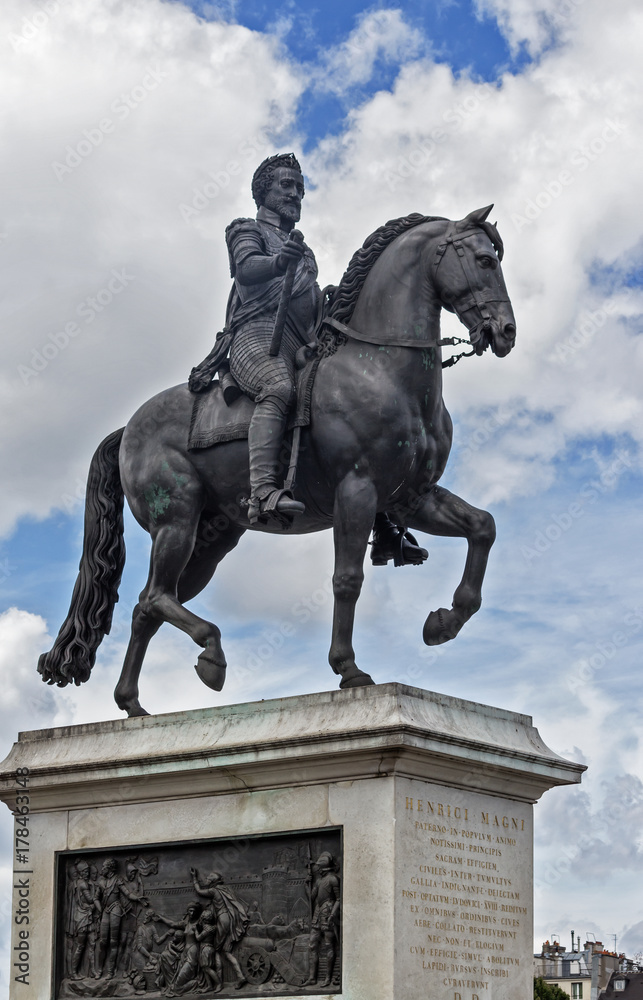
[(464, 893), (238, 917)]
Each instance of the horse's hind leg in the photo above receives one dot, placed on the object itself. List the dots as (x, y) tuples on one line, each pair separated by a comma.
[(146, 620), (443, 513), (354, 512)]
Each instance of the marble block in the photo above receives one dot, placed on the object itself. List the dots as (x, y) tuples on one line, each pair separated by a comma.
[(429, 796)]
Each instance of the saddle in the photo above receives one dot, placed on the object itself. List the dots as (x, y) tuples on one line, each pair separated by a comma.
[(222, 413)]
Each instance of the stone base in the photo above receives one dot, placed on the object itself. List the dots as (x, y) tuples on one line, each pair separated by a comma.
[(429, 799)]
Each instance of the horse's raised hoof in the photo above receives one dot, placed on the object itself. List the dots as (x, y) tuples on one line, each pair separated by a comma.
[(211, 668), (441, 626), (354, 677)]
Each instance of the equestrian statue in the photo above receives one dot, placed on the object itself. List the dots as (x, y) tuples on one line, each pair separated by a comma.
[(314, 409)]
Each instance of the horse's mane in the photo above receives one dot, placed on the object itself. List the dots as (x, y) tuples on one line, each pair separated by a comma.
[(345, 296)]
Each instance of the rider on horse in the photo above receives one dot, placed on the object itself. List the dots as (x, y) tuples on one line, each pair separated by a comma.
[(260, 250)]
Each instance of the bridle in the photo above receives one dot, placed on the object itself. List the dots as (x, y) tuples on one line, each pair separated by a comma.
[(479, 334), (480, 299)]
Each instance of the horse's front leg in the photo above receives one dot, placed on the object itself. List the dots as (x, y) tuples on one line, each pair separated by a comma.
[(443, 513), (353, 516)]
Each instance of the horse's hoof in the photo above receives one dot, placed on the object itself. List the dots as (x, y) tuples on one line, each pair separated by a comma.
[(135, 711), (132, 706), (439, 627), (355, 678), (211, 669)]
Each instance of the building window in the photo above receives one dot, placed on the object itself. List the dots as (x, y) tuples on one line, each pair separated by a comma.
[(619, 984), (577, 991)]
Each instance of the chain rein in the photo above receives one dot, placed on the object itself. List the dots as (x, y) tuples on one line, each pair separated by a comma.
[(452, 239)]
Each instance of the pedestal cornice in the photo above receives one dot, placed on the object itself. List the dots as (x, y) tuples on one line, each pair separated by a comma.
[(370, 732)]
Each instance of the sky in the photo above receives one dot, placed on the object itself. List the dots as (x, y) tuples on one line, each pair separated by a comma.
[(130, 134)]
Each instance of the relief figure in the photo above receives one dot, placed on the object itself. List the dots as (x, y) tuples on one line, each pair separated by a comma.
[(231, 917)]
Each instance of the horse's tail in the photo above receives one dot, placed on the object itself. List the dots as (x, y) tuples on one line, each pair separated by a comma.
[(89, 618)]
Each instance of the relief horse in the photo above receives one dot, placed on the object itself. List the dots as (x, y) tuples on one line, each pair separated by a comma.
[(378, 441)]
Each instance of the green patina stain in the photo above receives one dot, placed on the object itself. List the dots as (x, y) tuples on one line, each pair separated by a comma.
[(158, 500), (178, 479), (399, 444)]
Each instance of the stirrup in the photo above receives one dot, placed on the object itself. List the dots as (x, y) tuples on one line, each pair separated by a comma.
[(399, 545), (277, 505)]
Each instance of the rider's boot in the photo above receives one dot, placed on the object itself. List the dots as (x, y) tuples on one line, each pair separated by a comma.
[(268, 499), (392, 542)]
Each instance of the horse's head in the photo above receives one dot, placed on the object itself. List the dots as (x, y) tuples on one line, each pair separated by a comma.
[(469, 282)]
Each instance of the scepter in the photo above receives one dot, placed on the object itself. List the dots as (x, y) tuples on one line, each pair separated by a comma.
[(284, 301)]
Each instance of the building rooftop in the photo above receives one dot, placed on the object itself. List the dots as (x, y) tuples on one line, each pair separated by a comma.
[(628, 985)]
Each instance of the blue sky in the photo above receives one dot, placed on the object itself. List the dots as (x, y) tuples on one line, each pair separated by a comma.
[(452, 32), (356, 90)]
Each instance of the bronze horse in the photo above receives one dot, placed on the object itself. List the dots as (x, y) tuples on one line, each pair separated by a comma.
[(379, 439)]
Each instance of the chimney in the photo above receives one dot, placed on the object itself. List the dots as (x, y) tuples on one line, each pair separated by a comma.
[(572, 940)]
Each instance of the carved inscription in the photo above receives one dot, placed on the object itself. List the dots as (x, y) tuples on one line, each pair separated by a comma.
[(240, 917), (464, 903)]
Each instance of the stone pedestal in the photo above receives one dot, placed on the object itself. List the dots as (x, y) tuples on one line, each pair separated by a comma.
[(422, 802)]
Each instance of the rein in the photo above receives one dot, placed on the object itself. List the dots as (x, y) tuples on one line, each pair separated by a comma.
[(354, 334), (477, 299)]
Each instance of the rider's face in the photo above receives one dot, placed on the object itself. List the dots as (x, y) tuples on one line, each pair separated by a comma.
[(285, 193)]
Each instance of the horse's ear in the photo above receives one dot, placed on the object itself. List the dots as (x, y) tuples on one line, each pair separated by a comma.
[(474, 218)]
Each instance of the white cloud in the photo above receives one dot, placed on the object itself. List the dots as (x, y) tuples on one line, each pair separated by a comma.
[(153, 199), (380, 35), (555, 147), (25, 699), (118, 118)]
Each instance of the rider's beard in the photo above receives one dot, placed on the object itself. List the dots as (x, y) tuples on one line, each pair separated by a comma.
[(290, 211)]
